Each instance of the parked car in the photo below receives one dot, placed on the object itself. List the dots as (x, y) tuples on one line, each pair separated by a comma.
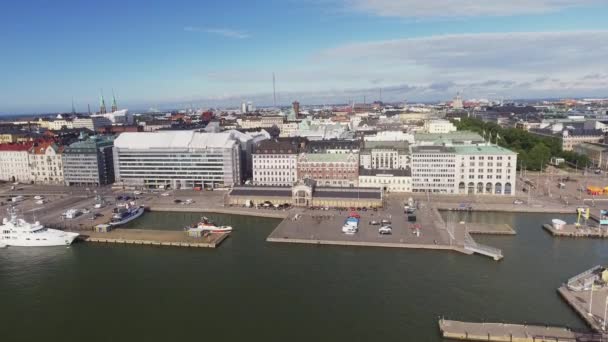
[(177, 201), (518, 202), (385, 230), (165, 194)]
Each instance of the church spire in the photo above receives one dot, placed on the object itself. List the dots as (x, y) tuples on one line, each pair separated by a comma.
[(114, 105), (102, 104)]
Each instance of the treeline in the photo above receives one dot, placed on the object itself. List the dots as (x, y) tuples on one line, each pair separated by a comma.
[(534, 151)]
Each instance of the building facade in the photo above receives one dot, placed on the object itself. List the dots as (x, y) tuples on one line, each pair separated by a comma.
[(46, 163), (388, 180), (378, 155), (89, 162), (275, 162), (439, 126), (464, 169), (329, 169), (14, 162), (597, 153), (177, 159)]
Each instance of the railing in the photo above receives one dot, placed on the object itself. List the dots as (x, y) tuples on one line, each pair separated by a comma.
[(472, 245)]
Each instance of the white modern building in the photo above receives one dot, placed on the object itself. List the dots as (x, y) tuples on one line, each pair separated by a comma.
[(177, 159), (439, 126), (275, 162), (464, 169)]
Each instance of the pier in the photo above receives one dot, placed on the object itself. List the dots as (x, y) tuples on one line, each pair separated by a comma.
[(154, 238), (324, 227), (502, 332), (571, 230)]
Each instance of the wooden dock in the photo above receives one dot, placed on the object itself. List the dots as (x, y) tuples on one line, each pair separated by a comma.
[(502, 332), (154, 238), (571, 230)]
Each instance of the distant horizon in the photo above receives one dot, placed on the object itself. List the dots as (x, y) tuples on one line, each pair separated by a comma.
[(526, 101)]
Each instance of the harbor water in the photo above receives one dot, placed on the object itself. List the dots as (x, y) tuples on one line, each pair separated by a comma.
[(251, 290)]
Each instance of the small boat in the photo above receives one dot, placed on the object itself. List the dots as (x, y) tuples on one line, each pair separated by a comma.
[(205, 225), (125, 214)]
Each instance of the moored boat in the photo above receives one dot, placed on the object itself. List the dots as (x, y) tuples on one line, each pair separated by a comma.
[(125, 214)]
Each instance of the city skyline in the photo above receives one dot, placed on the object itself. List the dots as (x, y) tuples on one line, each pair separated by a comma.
[(321, 51)]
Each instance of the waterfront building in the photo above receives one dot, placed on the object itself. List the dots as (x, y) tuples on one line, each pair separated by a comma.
[(439, 126), (275, 162), (381, 155), (464, 169), (177, 159), (329, 169), (89, 162), (306, 194), (14, 162), (388, 180), (46, 163)]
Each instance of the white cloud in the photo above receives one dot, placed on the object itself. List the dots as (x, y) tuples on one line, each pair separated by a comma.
[(462, 8), (513, 65), (513, 56), (219, 31)]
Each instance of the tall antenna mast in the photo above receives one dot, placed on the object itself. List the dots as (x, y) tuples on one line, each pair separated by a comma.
[(274, 91)]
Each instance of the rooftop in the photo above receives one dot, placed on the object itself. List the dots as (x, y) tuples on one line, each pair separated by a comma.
[(452, 136), (484, 149), (328, 157), (173, 140)]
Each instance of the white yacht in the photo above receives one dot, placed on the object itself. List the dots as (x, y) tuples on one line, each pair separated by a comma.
[(18, 232)]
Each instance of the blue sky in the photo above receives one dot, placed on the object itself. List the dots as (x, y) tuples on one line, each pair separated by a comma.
[(173, 53)]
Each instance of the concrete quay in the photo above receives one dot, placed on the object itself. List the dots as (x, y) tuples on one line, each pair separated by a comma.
[(580, 301), (154, 238), (571, 230), (325, 228), (501, 332)]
